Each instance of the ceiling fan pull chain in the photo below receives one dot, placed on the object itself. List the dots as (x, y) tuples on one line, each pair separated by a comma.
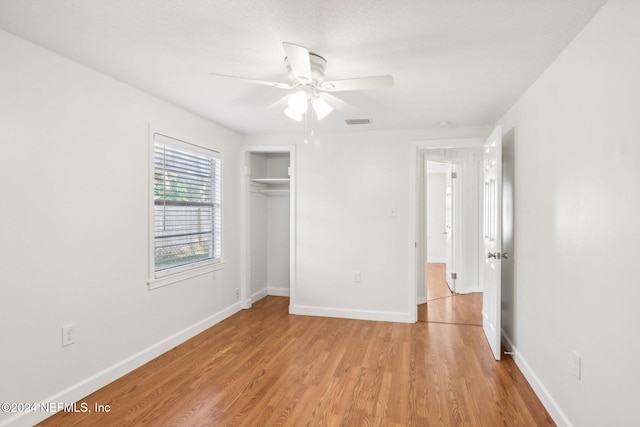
[(307, 133), (311, 113)]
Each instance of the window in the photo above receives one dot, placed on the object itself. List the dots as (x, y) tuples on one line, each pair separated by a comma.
[(186, 205)]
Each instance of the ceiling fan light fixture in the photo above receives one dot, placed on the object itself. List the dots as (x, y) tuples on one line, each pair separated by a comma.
[(321, 108), (298, 102)]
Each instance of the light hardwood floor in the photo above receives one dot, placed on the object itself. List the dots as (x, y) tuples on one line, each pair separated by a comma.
[(436, 278), (443, 306), (264, 367)]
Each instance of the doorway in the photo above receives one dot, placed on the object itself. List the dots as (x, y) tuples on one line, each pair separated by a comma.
[(449, 219), (439, 208)]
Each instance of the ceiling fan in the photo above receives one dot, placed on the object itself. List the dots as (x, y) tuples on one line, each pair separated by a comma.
[(306, 74)]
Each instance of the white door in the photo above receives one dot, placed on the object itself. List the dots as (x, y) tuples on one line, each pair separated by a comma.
[(507, 318), (449, 228), (492, 238)]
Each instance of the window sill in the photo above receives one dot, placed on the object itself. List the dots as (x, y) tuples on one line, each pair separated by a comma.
[(170, 279)]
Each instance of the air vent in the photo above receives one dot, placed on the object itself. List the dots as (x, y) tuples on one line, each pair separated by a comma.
[(358, 121)]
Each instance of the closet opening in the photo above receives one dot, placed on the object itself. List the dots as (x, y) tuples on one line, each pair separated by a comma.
[(269, 200)]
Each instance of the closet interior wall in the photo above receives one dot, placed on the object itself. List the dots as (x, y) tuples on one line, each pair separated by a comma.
[(269, 210)]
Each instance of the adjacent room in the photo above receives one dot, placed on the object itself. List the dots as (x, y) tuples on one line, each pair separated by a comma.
[(218, 212)]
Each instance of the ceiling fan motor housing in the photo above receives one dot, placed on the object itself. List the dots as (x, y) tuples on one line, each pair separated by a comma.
[(318, 65)]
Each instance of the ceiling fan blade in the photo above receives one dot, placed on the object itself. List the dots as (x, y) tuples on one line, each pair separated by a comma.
[(260, 82), (298, 59), (362, 83), (281, 103), (339, 105)]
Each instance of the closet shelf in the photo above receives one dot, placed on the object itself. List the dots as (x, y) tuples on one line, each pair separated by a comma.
[(271, 181)]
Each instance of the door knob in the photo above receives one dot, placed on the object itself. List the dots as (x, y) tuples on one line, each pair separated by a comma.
[(498, 255)]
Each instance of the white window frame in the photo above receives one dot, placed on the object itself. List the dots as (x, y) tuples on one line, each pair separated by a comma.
[(180, 273)]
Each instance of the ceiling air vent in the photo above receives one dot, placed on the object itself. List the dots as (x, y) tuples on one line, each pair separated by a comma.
[(358, 121)]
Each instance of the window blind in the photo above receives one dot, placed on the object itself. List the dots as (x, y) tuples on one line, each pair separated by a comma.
[(187, 223)]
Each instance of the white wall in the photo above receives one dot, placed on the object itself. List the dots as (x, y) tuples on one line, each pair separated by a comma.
[(277, 165), (278, 245), (269, 215), (278, 207), (258, 247), (346, 185), (577, 204), (74, 220), (258, 202)]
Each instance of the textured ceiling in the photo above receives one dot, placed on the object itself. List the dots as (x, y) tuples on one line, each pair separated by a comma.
[(462, 61)]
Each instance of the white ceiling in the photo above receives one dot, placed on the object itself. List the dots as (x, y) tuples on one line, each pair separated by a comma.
[(462, 61)]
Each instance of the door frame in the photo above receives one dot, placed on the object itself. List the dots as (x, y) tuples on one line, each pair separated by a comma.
[(417, 212), (245, 218)]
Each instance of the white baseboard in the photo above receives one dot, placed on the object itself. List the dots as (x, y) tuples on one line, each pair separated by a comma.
[(437, 260), (278, 292), (550, 404), (343, 313), (112, 373), (421, 299), (257, 296)]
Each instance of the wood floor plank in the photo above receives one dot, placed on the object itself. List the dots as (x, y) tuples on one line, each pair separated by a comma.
[(264, 367)]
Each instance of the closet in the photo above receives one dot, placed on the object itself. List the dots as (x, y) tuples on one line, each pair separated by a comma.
[(269, 208)]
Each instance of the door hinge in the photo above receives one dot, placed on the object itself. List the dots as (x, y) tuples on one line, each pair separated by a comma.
[(454, 276), (454, 175)]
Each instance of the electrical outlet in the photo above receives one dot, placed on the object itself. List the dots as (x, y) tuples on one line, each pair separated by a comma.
[(576, 364), (237, 293), (68, 334)]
